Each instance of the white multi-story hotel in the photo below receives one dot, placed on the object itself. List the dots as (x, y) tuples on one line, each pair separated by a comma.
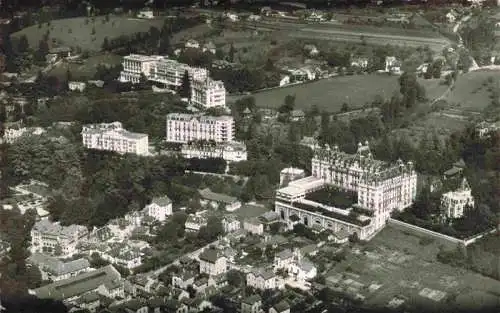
[(135, 65), (453, 203), (208, 93), (170, 73), (380, 189), (184, 128), (112, 137), (47, 237), (232, 151), (205, 92)]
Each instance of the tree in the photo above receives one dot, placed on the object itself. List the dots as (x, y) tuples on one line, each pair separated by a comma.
[(23, 45), (185, 91), (93, 31), (288, 105), (234, 278), (105, 44), (345, 107), (43, 50), (231, 53)]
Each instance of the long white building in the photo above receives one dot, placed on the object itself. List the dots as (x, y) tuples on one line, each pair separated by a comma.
[(205, 92), (380, 188), (208, 93), (184, 128), (135, 65), (113, 137), (231, 151)]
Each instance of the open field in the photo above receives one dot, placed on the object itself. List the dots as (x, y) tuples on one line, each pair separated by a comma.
[(330, 94), (86, 70), (401, 266), (74, 33), (471, 90)]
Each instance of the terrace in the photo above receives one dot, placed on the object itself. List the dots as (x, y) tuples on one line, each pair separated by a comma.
[(347, 217), (333, 197)]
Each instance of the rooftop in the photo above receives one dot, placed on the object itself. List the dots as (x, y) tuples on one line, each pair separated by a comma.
[(79, 284), (218, 197), (45, 226), (264, 273), (143, 58), (161, 201), (57, 267), (252, 299), (201, 118), (209, 255), (281, 306)]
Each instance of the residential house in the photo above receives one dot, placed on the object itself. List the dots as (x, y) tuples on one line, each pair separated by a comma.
[(392, 65), (132, 306), (209, 47), (297, 266), (262, 279), (254, 226), (252, 304), (124, 256), (280, 307), (311, 50), (197, 304), (230, 223), (61, 52), (456, 170), (297, 115), (284, 259), (77, 86), (191, 43), (360, 63), (106, 281), (232, 17), (284, 80), (212, 262), (254, 18), (159, 208), (91, 301), (218, 281), (200, 284), (216, 200), (485, 129), (146, 14), (195, 221), (54, 269), (161, 305), (453, 203), (183, 279)]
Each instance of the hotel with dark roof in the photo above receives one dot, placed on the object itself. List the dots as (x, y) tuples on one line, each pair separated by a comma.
[(373, 189)]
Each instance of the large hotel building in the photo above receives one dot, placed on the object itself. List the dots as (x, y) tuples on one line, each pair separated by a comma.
[(206, 92), (112, 137), (377, 189), (184, 128)]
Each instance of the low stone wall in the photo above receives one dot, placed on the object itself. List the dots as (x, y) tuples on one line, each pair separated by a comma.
[(431, 233)]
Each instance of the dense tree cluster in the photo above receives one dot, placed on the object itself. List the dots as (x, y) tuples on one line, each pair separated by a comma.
[(479, 37), (245, 79)]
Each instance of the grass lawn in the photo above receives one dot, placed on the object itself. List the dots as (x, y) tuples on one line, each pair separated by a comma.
[(74, 33), (471, 90), (398, 261), (88, 69), (249, 211), (329, 94)]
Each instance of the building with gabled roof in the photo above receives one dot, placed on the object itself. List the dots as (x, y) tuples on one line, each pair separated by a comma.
[(48, 237), (262, 279), (159, 208), (106, 281), (214, 199), (231, 151), (251, 304), (54, 269), (212, 262), (280, 307)]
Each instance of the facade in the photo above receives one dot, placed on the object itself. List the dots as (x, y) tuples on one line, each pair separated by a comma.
[(159, 208), (212, 262), (380, 188), (230, 224), (146, 14), (54, 269), (262, 279), (392, 65), (128, 258), (453, 203), (290, 174), (232, 151), (297, 266), (12, 134), (135, 65), (48, 237), (208, 93), (253, 226), (112, 137), (106, 281), (184, 128), (170, 73)]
